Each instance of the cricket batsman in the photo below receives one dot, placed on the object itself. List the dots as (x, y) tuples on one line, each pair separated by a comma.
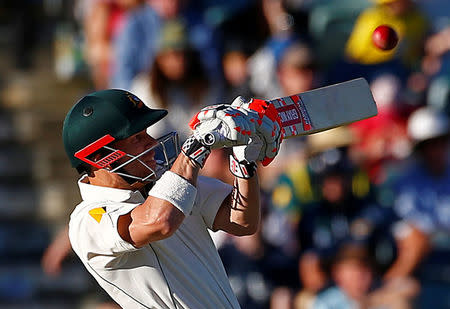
[(141, 229)]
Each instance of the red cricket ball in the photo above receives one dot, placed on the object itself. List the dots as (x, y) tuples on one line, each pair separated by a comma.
[(384, 37)]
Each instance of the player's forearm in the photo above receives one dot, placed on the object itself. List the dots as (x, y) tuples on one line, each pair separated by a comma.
[(187, 169), (245, 206), (165, 208)]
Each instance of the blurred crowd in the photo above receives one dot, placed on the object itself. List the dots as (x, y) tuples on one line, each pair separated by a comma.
[(354, 217)]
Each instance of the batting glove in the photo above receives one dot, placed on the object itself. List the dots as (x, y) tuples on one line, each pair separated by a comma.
[(267, 125), (242, 169), (196, 151), (223, 126)]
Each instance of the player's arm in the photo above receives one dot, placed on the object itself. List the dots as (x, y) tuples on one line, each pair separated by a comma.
[(239, 213), (173, 195), (161, 214)]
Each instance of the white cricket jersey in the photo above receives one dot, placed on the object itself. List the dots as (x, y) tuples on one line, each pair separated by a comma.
[(182, 271)]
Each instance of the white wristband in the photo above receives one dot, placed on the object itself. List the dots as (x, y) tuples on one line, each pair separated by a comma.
[(176, 190)]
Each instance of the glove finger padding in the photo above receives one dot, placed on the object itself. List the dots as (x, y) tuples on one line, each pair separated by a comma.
[(211, 111), (254, 151), (238, 101), (241, 128), (273, 146), (206, 113), (213, 133), (228, 125), (267, 126)]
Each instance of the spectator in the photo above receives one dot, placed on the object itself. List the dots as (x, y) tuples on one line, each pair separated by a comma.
[(313, 277), (177, 80), (382, 141), (352, 272), (327, 199), (138, 43), (437, 47), (235, 69), (436, 66), (343, 208), (136, 46), (263, 63), (356, 284), (421, 192), (297, 70), (102, 22), (294, 190), (56, 252), (247, 24), (438, 95)]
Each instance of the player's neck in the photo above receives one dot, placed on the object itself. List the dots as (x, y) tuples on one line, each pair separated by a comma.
[(104, 178)]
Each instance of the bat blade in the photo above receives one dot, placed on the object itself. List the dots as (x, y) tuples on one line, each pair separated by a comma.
[(325, 108)]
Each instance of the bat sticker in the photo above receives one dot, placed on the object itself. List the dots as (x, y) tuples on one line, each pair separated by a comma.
[(306, 121), (294, 113)]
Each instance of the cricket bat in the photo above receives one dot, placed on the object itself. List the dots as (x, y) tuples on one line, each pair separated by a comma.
[(325, 108), (313, 111)]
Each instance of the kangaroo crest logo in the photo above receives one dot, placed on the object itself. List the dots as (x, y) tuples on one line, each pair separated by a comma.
[(135, 100)]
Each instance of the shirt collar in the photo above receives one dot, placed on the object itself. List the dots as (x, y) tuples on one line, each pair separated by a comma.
[(97, 193)]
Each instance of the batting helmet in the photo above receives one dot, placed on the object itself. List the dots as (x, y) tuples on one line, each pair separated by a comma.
[(113, 112)]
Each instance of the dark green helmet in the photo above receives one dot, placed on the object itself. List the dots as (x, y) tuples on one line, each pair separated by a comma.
[(118, 113)]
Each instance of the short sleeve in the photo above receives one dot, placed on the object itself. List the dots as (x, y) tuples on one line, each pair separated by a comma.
[(407, 207), (93, 231), (210, 195), (113, 214)]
